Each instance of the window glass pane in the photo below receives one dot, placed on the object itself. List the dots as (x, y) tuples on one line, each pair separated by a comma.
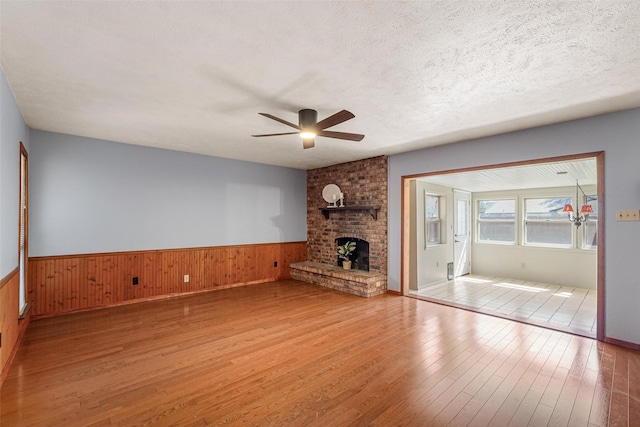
[(546, 223), (497, 209), (591, 226), (433, 232), (496, 221), (593, 202), (546, 209), (431, 207), (497, 231), (590, 234), (554, 233), (432, 219), (462, 224)]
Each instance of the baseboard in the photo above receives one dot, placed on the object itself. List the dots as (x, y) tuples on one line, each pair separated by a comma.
[(622, 343), (392, 292)]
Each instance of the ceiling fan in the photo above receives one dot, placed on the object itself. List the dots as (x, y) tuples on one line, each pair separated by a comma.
[(309, 127)]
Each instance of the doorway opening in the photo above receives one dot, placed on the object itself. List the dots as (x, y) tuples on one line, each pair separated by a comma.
[(515, 253)]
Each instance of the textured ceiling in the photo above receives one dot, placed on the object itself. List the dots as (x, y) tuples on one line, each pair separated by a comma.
[(192, 76)]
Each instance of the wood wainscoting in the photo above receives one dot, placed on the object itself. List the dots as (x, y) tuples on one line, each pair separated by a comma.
[(11, 327), (62, 284)]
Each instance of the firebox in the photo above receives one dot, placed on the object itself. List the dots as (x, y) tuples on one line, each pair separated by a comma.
[(359, 257)]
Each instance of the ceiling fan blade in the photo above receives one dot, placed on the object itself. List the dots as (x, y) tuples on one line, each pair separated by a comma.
[(308, 143), (341, 135), (277, 134), (278, 119), (336, 119)]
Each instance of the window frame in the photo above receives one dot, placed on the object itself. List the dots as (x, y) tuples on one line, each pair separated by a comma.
[(578, 234), (562, 221), (23, 234), (430, 220), (478, 220)]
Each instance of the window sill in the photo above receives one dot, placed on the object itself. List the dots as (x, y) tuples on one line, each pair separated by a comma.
[(538, 247), (495, 243), (25, 312)]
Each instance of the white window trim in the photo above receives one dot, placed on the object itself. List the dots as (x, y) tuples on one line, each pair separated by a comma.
[(524, 221), (477, 221), (440, 221), (578, 237)]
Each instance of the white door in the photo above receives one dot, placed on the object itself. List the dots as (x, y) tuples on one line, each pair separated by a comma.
[(462, 233)]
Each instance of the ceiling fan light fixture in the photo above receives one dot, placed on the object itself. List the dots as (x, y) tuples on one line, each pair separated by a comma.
[(307, 134), (309, 127)]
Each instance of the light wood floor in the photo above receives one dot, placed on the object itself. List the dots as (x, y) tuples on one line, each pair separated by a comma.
[(554, 306), (288, 353)]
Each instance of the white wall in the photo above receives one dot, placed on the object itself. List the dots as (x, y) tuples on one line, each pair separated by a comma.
[(91, 196), (13, 130), (617, 134), (575, 268)]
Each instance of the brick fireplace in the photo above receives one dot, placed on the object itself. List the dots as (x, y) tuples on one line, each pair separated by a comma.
[(364, 184)]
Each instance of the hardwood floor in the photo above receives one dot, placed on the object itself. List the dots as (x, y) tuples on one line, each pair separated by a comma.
[(289, 353), (563, 308)]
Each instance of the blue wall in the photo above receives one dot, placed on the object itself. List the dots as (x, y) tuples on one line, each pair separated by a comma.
[(13, 130), (90, 196), (617, 134)]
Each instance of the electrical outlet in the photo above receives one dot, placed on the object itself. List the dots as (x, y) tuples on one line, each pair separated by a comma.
[(628, 215), (186, 278), (134, 281), (275, 263)]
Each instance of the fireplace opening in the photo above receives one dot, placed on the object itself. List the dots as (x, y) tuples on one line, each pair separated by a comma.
[(360, 257)]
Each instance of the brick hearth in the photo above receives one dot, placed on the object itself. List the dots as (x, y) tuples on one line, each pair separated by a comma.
[(356, 282)]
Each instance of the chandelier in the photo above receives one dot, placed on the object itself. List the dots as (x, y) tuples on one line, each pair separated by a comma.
[(585, 210)]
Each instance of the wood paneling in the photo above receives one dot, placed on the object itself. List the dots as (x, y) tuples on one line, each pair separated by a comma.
[(64, 284), (10, 326), (291, 354), (9, 314), (9, 277)]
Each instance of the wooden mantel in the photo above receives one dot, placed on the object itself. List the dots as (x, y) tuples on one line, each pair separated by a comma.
[(371, 210)]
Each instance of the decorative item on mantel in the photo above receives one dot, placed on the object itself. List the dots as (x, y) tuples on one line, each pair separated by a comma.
[(332, 194), (343, 253)]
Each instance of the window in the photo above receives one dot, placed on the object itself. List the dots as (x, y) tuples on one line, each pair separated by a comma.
[(545, 224), (432, 223), (590, 231), (497, 221), (23, 231)]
